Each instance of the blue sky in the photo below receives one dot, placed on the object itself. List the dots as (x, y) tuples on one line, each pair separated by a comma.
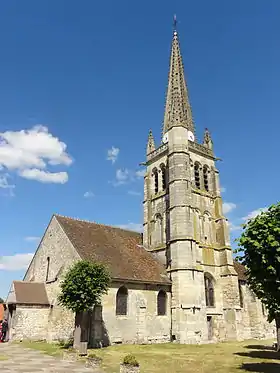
[(81, 78)]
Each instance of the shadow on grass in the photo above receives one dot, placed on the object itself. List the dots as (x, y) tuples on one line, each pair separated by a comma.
[(260, 347), (261, 355), (261, 367)]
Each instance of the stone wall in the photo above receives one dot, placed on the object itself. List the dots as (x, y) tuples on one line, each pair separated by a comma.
[(55, 246), (141, 324), (29, 322)]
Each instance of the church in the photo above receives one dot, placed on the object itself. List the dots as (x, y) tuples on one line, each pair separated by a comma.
[(176, 282)]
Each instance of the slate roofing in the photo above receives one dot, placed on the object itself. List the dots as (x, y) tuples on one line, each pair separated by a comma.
[(30, 293), (121, 250)]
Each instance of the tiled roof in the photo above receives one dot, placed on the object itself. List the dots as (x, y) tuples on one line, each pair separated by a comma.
[(120, 250), (240, 269), (30, 293)]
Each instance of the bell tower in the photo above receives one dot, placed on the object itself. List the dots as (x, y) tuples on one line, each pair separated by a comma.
[(184, 224)]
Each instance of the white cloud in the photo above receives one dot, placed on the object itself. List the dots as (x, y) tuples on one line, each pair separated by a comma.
[(44, 176), (112, 154), (228, 207), (15, 262), (254, 213), (140, 173), (4, 182), (89, 194), (31, 238), (123, 176), (134, 193), (30, 151), (132, 227), (233, 227)]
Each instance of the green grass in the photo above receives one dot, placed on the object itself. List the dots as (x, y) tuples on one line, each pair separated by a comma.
[(230, 357)]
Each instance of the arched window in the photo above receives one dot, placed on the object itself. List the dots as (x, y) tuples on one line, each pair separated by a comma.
[(161, 303), (209, 290), (155, 172), (121, 301), (163, 176), (197, 175), (205, 178)]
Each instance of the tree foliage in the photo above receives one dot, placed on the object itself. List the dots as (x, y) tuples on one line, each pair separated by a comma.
[(259, 246), (1, 300), (83, 286)]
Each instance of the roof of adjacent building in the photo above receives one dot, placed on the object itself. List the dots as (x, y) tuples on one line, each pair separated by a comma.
[(30, 293), (119, 249), (241, 270)]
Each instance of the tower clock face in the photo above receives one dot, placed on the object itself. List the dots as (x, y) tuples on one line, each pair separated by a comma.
[(165, 138), (190, 136)]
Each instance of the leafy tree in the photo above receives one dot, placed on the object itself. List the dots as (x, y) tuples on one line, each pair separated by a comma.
[(1, 300), (259, 246), (82, 289)]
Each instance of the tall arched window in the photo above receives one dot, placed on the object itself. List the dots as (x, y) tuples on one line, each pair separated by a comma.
[(209, 290), (163, 176), (205, 178), (197, 175), (155, 172), (48, 268), (161, 303), (121, 301)]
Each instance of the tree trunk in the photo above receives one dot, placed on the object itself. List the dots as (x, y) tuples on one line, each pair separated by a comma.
[(77, 331), (277, 320), (81, 332)]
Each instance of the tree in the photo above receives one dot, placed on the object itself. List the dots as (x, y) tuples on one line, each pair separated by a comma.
[(81, 290), (1, 300), (259, 246)]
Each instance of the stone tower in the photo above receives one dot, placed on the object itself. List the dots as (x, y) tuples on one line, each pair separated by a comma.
[(184, 223)]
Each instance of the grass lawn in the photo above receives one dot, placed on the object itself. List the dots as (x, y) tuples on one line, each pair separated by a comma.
[(230, 357)]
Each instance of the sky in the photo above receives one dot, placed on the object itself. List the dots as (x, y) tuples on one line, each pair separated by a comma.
[(81, 84)]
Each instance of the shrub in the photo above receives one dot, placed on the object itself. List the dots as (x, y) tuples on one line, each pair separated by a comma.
[(92, 355), (130, 360)]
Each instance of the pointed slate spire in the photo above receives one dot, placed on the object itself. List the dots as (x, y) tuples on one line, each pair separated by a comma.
[(207, 140), (151, 143), (177, 107)]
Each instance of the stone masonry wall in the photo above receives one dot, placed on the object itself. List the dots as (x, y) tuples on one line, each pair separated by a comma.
[(29, 323), (59, 249), (141, 324)]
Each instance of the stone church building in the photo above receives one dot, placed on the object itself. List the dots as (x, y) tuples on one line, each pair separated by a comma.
[(176, 282)]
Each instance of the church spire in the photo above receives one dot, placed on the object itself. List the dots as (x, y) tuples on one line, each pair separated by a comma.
[(177, 107)]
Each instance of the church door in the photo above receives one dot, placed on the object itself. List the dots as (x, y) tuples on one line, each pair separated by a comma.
[(210, 327)]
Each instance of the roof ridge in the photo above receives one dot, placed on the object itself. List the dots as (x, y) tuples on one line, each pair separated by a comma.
[(96, 223)]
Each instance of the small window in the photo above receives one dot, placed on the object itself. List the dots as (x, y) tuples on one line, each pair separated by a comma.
[(161, 303), (48, 268), (205, 178), (209, 291), (197, 175), (121, 301)]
